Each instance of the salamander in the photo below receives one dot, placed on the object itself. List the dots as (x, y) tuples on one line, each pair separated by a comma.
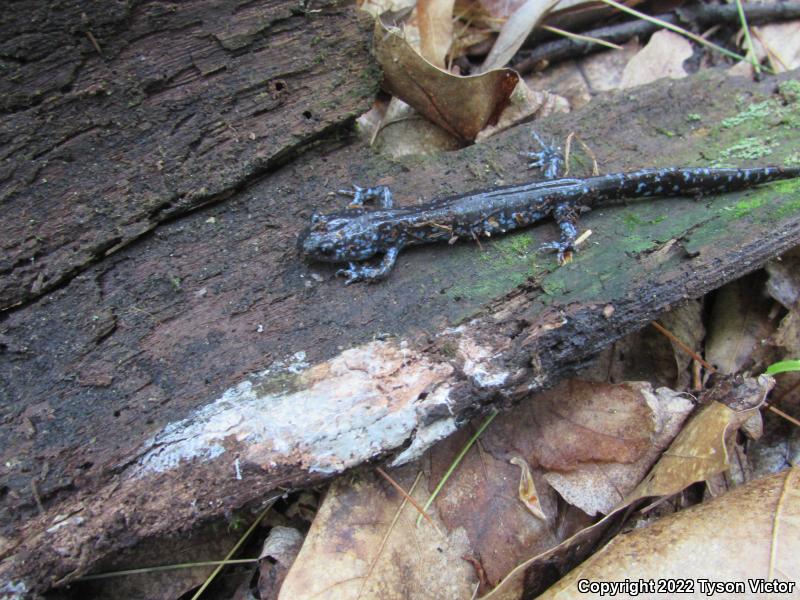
[(359, 233)]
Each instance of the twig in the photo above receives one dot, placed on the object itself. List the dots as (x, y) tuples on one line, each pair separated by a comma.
[(562, 49), (405, 494), (683, 346)]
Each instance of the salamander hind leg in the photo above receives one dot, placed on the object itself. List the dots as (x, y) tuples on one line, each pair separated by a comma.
[(356, 272), (566, 216), (380, 194), (549, 159)]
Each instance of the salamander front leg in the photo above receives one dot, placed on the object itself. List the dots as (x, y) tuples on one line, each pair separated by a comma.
[(549, 159), (356, 272), (380, 193), (566, 216)]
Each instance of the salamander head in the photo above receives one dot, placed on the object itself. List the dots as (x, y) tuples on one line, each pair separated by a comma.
[(342, 237)]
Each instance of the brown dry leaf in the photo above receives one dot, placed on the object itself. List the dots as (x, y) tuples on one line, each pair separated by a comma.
[(498, 10), (364, 544), (435, 22), (663, 56), (404, 131), (377, 7), (277, 555), (525, 105), (740, 320), (784, 279), (482, 498), (708, 541), (527, 488), (564, 79), (577, 426), (603, 71), (698, 452), (580, 422), (598, 487), (778, 42), (462, 106), (515, 32)]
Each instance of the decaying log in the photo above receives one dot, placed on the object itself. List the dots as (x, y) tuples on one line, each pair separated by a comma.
[(118, 116), (207, 367)]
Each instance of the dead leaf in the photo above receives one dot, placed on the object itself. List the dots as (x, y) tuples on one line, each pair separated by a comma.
[(435, 21), (404, 132), (277, 555), (527, 488), (598, 487), (663, 56), (526, 104), (603, 71), (515, 32), (780, 42), (364, 544), (698, 452), (462, 106), (579, 422), (707, 542), (740, 320), (378, 7), (784, 279), (482, 499)]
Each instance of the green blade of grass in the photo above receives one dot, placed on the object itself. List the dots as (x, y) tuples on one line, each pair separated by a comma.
[(455, 463), (783, 366), (751, 50), (233, 551)]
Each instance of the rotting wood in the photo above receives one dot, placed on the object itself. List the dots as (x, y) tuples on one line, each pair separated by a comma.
[(198, 329), (116, 119)]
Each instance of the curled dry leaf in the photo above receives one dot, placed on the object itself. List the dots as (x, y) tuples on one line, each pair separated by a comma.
[(706, 542), (482, 498), (462, 106), (435, 21), (527, 488), (403, 131), (515, 32)]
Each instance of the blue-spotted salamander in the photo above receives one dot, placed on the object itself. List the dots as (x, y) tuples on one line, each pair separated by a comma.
[(359, 233)]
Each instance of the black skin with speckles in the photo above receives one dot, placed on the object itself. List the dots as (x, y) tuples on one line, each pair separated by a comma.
[(358, 233)]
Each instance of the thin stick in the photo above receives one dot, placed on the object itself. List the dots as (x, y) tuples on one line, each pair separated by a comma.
[(582, 38), (683, 346), (779, 412), (405, 494), (174, 567), (679, 30)]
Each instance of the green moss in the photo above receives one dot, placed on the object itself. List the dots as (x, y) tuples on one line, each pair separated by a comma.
[(793, 160), (693, 118), (754, 112), (790, 91), (749, 148)]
